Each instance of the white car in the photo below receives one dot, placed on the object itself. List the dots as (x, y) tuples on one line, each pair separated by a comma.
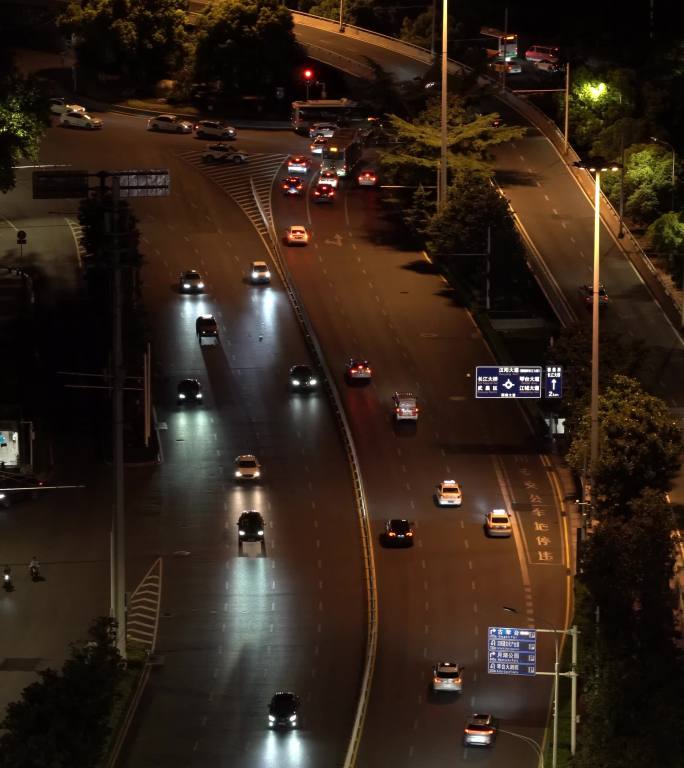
[(80, 120), (549, 66), (318, 145), (247, 467), (498, 524), (405, 406), (223, 153), (328, 177), (296, 235), (59, 106), (191, 281), (322, 129), (260, 272), (215, 129), (449, 494), (297, 164), (446, 677), (169, 124)]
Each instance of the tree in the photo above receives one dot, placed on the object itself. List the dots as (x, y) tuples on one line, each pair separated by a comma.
[(625, 580), (24, 116), (667, 237), (413, 158), (647, 182), (572, 349), (139, 40), (246, 45), (457, 236), (639, 446), (62, 720)]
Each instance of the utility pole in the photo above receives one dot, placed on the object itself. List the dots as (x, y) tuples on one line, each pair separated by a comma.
[(566, 116), (118, 607), (443, 163)]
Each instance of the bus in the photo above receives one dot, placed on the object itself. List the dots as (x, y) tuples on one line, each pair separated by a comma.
[(342, 152), (500, 45), (339, 111)]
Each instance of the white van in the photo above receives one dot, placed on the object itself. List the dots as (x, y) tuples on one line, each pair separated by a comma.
[(543, 53), (405, 406)]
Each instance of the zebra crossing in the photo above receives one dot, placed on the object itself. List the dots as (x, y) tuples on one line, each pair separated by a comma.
[(142, 616), (242, 182)]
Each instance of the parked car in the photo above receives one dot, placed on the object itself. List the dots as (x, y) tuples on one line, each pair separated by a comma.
[(58, 106)]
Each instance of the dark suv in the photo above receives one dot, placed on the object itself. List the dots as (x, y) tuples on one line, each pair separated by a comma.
[(283, 710), (250, 526), (206, 327)]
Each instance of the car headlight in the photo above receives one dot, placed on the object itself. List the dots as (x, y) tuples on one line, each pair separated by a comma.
[(267, 274), (200, 285), (186, 285), (198, 396), (293, 718), (242, 533), (238, 473), (257, 473), (271, 719), (295, 382), (255, 275), (313, 382), (181, 396), (260, 533), (2, 496)]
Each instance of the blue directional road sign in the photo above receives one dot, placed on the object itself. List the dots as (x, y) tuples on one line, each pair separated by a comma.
[(553, 381), (508, 381), (511, 651)]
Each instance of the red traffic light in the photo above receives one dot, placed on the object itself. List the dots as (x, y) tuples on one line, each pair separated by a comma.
[(308, 74)]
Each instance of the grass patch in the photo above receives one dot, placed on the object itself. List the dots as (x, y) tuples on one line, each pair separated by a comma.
[(160, 105), (126, 688)]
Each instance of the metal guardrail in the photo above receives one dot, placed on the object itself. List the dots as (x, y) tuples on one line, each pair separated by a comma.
[(274, 248)]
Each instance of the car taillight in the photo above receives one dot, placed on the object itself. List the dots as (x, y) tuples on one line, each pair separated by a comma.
[(409, 533), (392, 533)]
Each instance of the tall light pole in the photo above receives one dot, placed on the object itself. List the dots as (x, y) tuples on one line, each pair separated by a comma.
[(597, 166), (442, 196), (341, 15), (674, 158)]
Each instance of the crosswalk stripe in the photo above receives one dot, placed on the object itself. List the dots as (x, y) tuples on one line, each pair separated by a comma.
[(259, 170), (142, 618)]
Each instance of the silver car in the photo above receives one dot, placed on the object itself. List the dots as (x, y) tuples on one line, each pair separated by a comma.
[(58, 106), (169, 124), (80, 120), (446, 676), (215, 129), (479, 731)]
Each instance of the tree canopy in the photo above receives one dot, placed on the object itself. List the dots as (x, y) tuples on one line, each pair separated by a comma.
[(62, 720), (24, 116), (413, 157), (639, 446), (249, 46), (140, 40)]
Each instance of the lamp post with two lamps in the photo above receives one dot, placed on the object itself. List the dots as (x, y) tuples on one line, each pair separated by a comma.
[(597, 166), (557, 674)]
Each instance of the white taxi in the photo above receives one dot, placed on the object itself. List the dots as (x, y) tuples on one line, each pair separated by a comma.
[(449, 494), (498, 524)]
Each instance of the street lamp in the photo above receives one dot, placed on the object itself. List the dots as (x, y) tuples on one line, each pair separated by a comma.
[(442, 196), (597, 166), (674, 157)]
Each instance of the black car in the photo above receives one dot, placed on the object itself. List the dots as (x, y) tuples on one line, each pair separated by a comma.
[(323, 193), (292, 185), (15, 487), (302, 377), (189, 391), (250, 526), (206, 327), (283, 710), (399, 531)]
